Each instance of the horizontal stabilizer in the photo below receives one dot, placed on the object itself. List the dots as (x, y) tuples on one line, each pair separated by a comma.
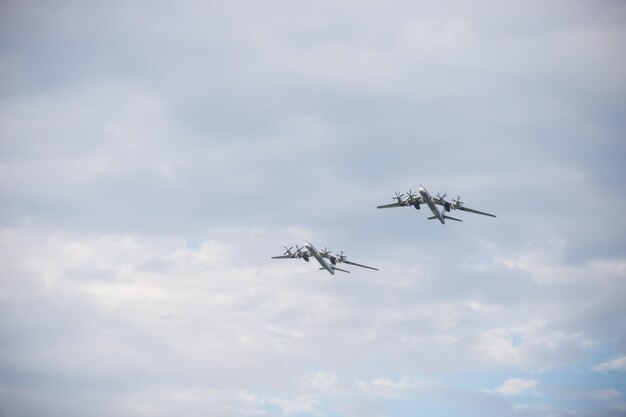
[(432, 217), (339, 269), (451, 218)]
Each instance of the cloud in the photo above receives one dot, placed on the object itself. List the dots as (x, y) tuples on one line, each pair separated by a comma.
[(604, 394), (197, 312), (291, 407), (152, 159), (390, 388), (319, 381), (618, 364), (516, 386), (499, 346)]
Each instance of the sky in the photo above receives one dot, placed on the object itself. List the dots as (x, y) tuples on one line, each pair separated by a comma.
[(155, 155)]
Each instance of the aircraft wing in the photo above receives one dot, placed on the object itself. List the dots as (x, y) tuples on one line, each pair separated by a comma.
[(390, 205), (475, 211), (283, 257), (362, 266)]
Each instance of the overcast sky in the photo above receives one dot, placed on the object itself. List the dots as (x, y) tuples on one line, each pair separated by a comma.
[(155, 155)]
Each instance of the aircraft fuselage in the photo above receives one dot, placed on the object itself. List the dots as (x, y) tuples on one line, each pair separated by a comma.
[(317, 256), (431, 204)]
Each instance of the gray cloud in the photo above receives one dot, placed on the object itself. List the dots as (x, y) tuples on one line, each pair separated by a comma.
[(153, 157)]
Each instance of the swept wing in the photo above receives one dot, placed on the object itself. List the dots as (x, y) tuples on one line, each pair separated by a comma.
[(391, 205), (474, 211), (362, 266)]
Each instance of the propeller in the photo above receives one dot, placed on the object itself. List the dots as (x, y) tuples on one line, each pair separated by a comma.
[(288, 251), (457, 202), (411, 196), (446, 205), (301, 254), (399, 198), (338, 258), (326, 251)]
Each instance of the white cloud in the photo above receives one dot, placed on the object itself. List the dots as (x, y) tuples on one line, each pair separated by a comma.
[(298, 406), (498, 345), (319, 381), (390, 388), (516, 386), (144, 184), (603, 394), (618, 364)]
